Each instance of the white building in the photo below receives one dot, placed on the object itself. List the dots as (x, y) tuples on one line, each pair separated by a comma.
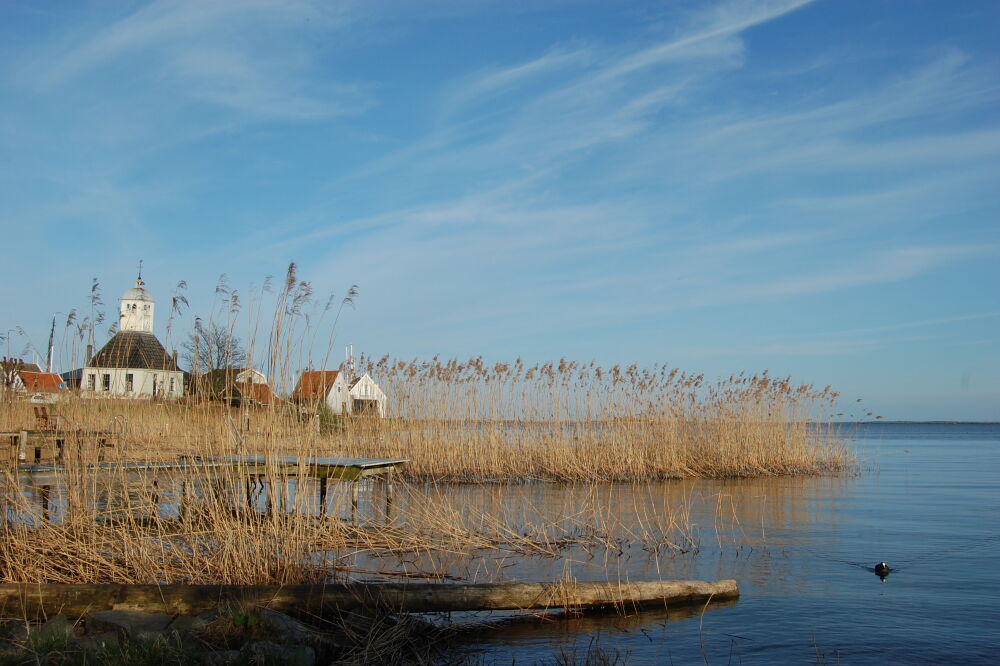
[(361, 395), (133, 364), (365, 396)]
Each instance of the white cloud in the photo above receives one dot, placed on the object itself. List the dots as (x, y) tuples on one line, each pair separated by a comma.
[(877, 268), (244, 55)]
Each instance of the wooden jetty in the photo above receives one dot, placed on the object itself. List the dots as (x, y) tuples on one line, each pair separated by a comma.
[(254, 470), (49, 445), (36, 601), (324, 469)]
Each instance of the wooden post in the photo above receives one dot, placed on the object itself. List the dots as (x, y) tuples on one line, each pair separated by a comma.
[(354, 502), (388, 495), (183, 509), (155, 497), (43, 500), (22, 449), (322, 496)]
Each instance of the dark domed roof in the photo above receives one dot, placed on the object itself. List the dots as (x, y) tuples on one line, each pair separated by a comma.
[(133, 349)]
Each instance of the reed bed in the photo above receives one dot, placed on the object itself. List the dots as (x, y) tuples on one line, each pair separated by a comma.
[(121, 527), (559, 422), (200, 526), (570, 421), (502, 426)]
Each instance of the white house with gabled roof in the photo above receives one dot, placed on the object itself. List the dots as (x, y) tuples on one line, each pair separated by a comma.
[(342, 396), (366, 397)]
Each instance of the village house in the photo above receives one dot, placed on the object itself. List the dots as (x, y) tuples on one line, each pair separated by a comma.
[(28, 378), (341, 396), (10, 369), (133, 364), (236, 386)]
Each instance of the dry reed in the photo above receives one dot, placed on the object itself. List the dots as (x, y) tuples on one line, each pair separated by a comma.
[(504, 424), (569, 421)]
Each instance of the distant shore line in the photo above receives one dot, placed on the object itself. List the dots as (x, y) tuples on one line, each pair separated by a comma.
[(884, 422)]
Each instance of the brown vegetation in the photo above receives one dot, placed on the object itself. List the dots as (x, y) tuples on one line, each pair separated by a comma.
[(570, 421), (507, 422), (467, 422)]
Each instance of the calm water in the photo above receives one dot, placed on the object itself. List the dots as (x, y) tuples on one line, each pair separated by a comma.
[(927, 501)]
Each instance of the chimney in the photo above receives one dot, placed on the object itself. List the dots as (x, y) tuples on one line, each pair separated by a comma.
[(175, 359), (90, 354)]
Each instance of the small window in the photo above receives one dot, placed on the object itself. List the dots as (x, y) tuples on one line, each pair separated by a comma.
[(106, 382), (91, 381), (171, 385), (129, 383)]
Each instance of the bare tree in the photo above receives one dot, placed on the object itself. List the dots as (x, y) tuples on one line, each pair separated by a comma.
[(214, 347), (9, 369)]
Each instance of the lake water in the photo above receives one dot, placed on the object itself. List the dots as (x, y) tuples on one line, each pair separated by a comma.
[(926, 500)]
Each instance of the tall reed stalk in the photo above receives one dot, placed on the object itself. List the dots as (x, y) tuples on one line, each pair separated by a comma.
[(455, 421)]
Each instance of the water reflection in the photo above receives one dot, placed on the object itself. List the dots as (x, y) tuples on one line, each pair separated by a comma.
[(496, 532), (667, 530), (555, 631)]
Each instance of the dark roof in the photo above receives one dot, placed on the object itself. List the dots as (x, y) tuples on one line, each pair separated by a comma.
[(16, 365), (133, 349), (216, 384), (221, 384)]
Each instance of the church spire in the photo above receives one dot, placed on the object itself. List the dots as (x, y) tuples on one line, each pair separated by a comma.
[(136, 309)]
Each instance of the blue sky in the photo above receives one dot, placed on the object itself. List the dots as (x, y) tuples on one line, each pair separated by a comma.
[(804, 187)]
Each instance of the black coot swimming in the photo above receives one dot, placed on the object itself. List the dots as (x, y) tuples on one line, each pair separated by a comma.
[(882, 570)]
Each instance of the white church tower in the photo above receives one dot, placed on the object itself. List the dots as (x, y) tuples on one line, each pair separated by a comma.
[(136, 309), (133, 364)]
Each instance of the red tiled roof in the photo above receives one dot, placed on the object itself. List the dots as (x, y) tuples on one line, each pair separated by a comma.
[(314, 384), (42, 382)]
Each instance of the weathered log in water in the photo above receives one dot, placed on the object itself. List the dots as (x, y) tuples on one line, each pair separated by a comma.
[(37, 601)]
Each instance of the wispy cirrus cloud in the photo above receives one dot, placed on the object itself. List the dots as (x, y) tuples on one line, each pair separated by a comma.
[(891, 265), (246, 56), (574, 99), (857, 340), (625, 140), (649, 174)]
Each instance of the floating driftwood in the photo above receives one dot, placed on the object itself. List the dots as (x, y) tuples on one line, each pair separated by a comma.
[(35, 601)]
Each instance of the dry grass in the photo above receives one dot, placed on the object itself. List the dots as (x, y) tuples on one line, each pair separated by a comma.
[(555, 422), (569, 421), (121, 528), (503, 426)]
